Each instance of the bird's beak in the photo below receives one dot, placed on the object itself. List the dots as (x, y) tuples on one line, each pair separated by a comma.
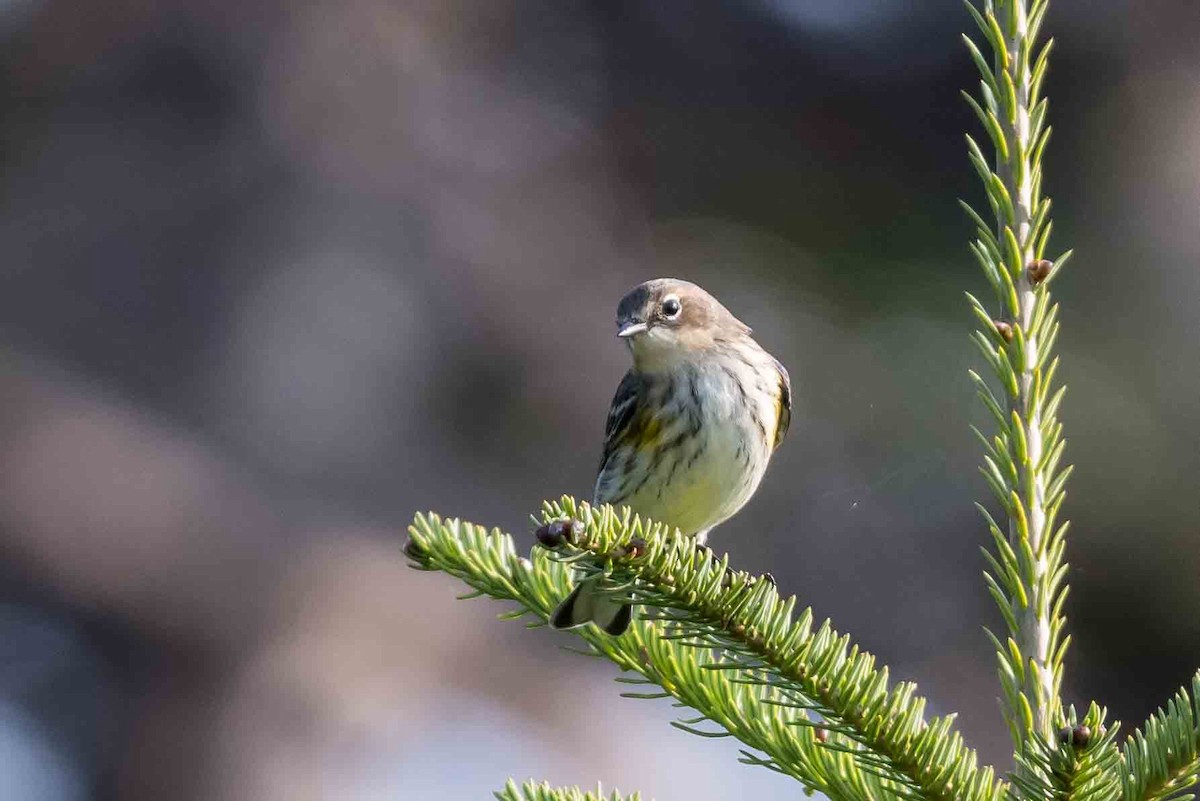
[(629, 329)]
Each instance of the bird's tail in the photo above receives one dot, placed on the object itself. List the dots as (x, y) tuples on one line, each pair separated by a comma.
[(590, 603)]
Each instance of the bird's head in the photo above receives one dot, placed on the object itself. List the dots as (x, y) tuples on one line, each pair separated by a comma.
[(667, 321)]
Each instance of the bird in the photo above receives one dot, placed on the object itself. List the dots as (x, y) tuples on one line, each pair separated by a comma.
[(691, 428)]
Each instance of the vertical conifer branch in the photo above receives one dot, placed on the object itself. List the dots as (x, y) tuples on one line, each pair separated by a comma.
[(1027, 576)]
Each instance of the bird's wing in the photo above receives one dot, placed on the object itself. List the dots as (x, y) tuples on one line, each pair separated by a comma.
[(620, 414), (617, 431), (785, 404)]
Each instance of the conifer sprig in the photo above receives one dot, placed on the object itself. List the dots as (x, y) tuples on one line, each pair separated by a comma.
[(724, 643), (1022, 460)]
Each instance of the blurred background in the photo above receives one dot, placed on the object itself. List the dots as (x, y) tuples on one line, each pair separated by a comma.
[(276, 275)]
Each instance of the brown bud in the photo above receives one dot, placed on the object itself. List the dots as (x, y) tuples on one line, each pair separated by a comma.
[(1004, 330), (668, 580), (822, 735), (1080, 736), (556, 532), (738, 629), (548, 535), (1038, 270), (414, 551), (635, 548)]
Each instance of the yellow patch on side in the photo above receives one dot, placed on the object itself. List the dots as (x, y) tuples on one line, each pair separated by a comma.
[(644, 431), (783, 414), (777, 407)]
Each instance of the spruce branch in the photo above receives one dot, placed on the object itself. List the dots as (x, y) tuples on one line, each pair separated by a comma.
[(1027, 574), (724, 643), (760, 717), (532, 791), (1162, 759)]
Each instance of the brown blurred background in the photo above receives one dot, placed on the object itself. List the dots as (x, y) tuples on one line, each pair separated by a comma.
[(276, 275)]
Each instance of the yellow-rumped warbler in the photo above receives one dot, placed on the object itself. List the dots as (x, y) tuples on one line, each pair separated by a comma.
[(691, 428)]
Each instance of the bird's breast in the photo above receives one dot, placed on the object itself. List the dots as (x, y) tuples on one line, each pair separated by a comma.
[(712, 433)]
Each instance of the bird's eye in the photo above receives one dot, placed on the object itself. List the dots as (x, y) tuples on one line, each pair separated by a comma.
[(671, 307)]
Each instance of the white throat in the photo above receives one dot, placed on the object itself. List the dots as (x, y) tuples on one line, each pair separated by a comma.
[(659, 350)]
